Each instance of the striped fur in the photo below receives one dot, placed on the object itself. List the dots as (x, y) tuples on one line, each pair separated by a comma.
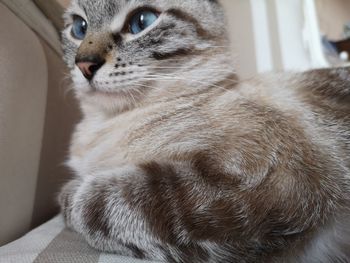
[(178, 160)]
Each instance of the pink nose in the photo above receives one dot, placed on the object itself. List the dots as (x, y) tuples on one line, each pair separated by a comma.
[(87, 68), (89, 65)]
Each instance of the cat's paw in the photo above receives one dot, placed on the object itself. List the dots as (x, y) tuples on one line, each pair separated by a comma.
[(65, 199)]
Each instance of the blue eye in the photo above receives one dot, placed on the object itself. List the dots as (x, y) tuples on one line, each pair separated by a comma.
[(79, 27), (141, 20)]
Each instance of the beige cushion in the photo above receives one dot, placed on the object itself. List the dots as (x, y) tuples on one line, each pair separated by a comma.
[(23, 89), (37, 115), (52, 243)]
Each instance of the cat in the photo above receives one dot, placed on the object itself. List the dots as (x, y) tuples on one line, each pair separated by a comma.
[(177, 159)]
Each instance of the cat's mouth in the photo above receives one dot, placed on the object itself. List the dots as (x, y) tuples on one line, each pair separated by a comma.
[(121, 89), (105, 89), (108, 84), (94, 91)]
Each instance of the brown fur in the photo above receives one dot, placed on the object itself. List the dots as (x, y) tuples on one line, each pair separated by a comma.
[(197, 166)]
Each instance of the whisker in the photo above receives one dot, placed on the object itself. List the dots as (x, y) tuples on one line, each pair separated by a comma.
[(176, 78), (182, 78)]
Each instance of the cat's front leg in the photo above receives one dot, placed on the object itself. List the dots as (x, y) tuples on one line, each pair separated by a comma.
[(102, 209), (150, 211)]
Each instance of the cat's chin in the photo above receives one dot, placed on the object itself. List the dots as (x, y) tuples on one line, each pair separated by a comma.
[(103, 94), (109, 101)]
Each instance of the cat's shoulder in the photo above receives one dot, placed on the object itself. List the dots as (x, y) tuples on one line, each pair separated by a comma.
[(329, 82), (326, 84)]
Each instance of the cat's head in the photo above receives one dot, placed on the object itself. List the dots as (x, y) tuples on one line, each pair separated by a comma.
[(123, 51)]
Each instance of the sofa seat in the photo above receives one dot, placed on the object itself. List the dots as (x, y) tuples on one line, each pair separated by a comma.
[(54, 243)]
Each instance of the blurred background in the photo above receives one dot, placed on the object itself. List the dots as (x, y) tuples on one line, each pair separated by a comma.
[(38, 111)]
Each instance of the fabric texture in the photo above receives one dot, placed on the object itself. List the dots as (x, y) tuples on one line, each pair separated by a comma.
[(54, 243), (23, 92), (37, 117)]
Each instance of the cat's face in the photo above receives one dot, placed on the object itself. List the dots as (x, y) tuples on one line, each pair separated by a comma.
[(121, 51)]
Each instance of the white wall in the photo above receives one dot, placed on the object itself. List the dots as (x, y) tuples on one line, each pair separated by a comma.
[(267, 35), (290, 21)]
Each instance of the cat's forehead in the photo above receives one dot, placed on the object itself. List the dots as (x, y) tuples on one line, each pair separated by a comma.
[(101, 10), (105, 10), (113, 7), (91, 6)]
